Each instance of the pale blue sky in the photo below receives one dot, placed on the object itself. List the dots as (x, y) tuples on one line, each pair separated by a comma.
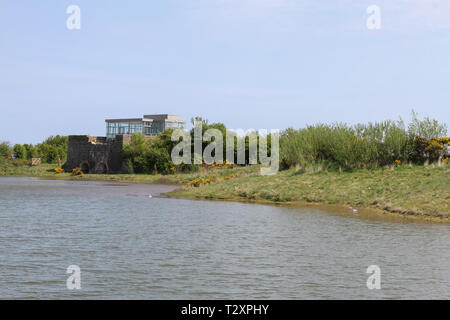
[(248, 63)]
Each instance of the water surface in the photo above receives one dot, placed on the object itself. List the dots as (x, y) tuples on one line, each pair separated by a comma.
[(129, 245)]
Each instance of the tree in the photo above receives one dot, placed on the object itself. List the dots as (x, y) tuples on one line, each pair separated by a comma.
[(134, 153), (426, 128), (52, 149), (31, 151), (19, 151), (5, 149)]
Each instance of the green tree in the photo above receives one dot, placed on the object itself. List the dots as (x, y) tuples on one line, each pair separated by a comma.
[(53, 148), (134, 153), (426, 128), (5, 149), (19, 151), (158, 160), (31, 151)]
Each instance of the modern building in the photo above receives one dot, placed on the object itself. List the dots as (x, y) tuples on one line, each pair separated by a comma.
[(149, 125), (104, 154)]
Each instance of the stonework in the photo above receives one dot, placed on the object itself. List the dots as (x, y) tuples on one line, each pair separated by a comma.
[(96, 154)]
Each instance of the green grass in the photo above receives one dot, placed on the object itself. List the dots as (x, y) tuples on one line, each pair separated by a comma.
[(47, 171), (8, 168), (407, 190)]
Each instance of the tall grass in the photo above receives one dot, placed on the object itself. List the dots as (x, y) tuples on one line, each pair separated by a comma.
[(360, 146)]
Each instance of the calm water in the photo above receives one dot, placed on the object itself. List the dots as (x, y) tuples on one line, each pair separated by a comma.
[(129, 245)]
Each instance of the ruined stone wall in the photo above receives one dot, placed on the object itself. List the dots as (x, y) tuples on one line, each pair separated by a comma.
[(96, 154)]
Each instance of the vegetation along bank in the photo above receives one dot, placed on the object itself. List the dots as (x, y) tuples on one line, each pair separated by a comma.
[(386, 166)]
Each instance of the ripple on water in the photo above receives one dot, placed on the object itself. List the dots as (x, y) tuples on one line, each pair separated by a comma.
[(131, 246)]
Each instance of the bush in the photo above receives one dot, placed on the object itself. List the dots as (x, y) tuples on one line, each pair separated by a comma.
[(149, 156), (129, 166), (432, 149), (5, 150), (134, 154), (334, 146), (77, 172), (31, 151), (19, 152), (364, 145), (52, 149), (426, 128), (58, 170), (158, 160), (154, 155), (19, 162)]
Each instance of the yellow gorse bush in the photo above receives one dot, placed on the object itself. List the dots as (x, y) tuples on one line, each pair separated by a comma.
[(224, 165), (444, 140), (199, 181), (58, 170), (77, 172)]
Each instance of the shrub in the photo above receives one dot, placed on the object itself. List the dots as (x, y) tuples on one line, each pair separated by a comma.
[(58, 170), (20, 162), (30, 150), (158, 160), (19, 151), (336, 146), (77, 172), (426, 128), (434, 149), (52, 149), (363, 145), (134, 154), (5, 150), (129, 166), (431, 149)]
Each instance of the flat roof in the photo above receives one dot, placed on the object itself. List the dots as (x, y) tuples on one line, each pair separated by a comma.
[(123, 120), (150, 118)]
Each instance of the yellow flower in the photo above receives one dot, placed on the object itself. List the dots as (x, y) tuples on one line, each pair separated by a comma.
[(77, 172)]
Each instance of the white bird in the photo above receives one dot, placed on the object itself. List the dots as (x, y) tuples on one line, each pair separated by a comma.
[(149, 195), (354, 210)]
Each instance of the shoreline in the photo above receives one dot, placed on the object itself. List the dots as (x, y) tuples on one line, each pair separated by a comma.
[(181, 192), (367, 213)]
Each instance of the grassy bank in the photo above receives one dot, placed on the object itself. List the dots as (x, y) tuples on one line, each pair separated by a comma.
[(422, 191), (47, 171), (407, 190), (8, 168)]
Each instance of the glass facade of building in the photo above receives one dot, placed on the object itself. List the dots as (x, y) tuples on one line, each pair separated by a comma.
[(121, 127), (149, 125)]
